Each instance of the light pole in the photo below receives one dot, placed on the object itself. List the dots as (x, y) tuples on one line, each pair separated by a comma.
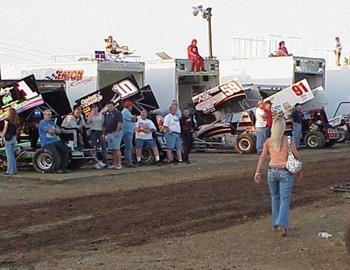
[(206, 14)]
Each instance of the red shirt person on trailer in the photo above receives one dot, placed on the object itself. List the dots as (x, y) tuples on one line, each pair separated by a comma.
[(193, 55)]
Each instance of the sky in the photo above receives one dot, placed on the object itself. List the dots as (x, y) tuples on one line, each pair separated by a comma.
[(36, 31)]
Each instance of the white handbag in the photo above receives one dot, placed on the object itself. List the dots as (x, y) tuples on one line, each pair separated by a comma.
[(293, 165)]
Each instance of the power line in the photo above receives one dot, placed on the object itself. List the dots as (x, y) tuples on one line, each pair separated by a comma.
[(20, 47), (37, 43), (26, 53), (21, 58)]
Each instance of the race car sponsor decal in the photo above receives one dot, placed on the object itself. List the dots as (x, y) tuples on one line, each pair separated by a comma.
[(21, 95), (211, 99), (126, 88)]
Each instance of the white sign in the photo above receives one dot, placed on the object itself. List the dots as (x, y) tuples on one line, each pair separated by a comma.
[(285, 100)]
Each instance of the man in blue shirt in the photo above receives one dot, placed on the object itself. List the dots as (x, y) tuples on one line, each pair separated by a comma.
[(128, 132), (112, 125), (49, 140)]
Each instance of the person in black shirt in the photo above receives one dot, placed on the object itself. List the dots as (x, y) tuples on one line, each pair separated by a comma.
[(297, 119), (8, 137), (188, 126)]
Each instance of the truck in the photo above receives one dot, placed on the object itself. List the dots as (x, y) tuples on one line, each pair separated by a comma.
[(173, 79), (80, 77)]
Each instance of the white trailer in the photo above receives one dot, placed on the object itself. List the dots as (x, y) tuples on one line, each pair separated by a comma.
[(173, 79), (274, 71), (81, 77), (338, 89)]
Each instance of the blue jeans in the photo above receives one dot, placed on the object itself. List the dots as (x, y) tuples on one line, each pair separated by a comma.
[(296, 133), (281, 185), (10, 155), (127, 138), (260, 138), (97, 141)]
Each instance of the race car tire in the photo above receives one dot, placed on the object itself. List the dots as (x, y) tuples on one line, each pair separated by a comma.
[(246, 143), (43, 161), (315, 140)]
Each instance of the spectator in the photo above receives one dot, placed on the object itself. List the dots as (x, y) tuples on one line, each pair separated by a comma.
[(49, 140), (337, 51), (296, 117), (73, 124), (8, 137), (144, 129), (113, 47), (196, 59), (172, 134), (95, 121), (282, 50), (188, 126), (164, 112), (260, 126), (269, 116), (280, 181), (112, 130), (128, 132)]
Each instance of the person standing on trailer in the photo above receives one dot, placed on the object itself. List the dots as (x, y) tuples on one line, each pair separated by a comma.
[(193, 55), (260, 126), (172, 134), (337, 51), (296, 117), (48, 133), (112, 131), (188, 126), (128, 132), (8, 137)]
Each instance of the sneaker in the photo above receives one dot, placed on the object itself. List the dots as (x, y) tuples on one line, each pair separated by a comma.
[(118, 167), (111, 166), (158, 163), (102, 165), (97, 166), (140, 163)]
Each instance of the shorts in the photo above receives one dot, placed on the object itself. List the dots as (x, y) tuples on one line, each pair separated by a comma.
[(140, 143), (173, 141), (114, 140)]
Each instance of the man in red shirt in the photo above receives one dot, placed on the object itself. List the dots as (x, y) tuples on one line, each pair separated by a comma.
[(268, 115), (193, 55)]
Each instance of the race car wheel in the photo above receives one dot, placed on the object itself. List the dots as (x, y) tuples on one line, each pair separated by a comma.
[(245, 143), (43, 161), (315, 140)]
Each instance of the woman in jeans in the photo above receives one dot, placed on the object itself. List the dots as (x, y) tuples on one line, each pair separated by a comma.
[(279, 179), (9, 138), (95, 120)]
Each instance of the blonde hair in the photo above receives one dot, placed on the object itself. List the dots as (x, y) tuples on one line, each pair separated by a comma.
[(277, 133)]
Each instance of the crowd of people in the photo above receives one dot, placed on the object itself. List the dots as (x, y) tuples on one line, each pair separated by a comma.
[(263, 123), (104, 129)]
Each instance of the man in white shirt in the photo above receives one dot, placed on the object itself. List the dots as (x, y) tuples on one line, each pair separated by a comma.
[(172, 134), (143, 135), (337, 51), (260, 127)]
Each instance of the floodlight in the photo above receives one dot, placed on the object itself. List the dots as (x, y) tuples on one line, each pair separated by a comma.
[(195, 11)]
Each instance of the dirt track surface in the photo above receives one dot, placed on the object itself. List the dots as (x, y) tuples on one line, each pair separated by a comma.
[(177, 202)]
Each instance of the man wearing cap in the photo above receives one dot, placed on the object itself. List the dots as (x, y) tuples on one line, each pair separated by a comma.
[(128, 132), (296, 117), (112, 125)]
